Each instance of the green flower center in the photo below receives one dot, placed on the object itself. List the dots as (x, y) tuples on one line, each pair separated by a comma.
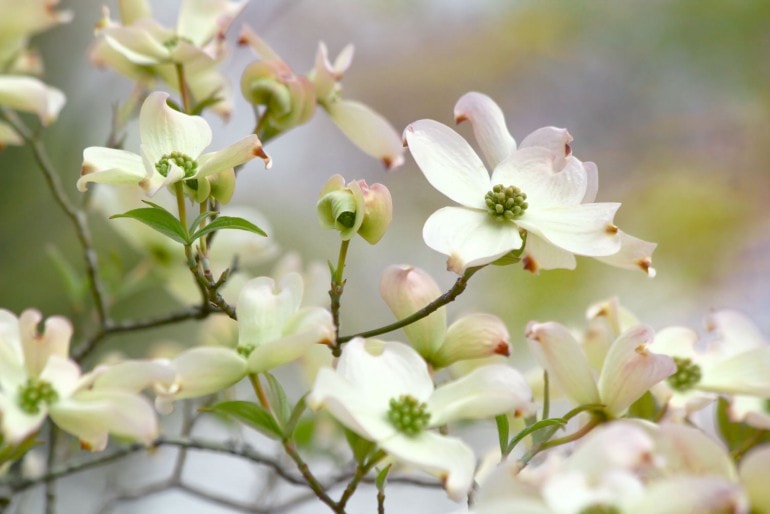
[(188, 165), (35, 392), (408, 415), (244, 350), (600, 508), (171, 42), (506, 202), (687, 375)]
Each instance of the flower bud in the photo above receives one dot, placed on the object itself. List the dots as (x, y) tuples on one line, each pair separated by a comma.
[(472, 337), (406, 290), (355, 208), (378, 211), (341, 208)]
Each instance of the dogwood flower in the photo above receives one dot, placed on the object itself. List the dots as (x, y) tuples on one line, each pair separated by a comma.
[(407, 289), (383, 392), (20, 20), (290, 99), (37, 379), (357, 208), (144, 50), (629, 369), (622, 467), (735, 364), (539, 189), (171, 151)]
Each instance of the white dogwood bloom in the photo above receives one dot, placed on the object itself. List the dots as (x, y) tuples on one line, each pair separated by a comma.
[(37, 379), (623, 467), (539, 188), (735, 364), (383, 392), (628, 371), (172, 145)]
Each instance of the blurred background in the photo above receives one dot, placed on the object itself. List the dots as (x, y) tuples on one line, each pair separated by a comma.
[(670, 99)]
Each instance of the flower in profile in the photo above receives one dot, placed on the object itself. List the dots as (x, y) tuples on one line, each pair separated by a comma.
[(37, 379), (628, 371), (538, 191), (407, 289), (383, 392), (172, 145), (289, 100), (735, 364), (144, 50)]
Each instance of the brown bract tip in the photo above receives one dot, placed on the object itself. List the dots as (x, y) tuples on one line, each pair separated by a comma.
[(530, 264), (611, 229), (645, 264), (86, 169), (388, 162), (503, 348), (642, 350), (461, 118), (567, 149)]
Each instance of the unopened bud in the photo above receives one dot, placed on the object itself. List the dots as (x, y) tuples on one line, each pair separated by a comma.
[(378, 211), (406, 290), (472, 337)]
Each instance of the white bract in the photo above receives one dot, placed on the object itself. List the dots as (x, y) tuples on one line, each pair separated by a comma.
[(37, 379), (539, 188), (383, 392), (172, 145)]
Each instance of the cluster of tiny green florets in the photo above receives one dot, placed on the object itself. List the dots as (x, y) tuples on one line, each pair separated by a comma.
[(35, 392), (408, 415), (171, 42), (687, 375), (506, 203), (188, 165), (244, 350)]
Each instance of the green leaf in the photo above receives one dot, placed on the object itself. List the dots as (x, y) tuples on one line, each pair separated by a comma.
[(228, 223), (544, 423), (197, 221), (161, 220), (594, 408), (382, 477), (361, 447), (251, 414), (294, 417), (278, 401), (502, 431), (645, 407)]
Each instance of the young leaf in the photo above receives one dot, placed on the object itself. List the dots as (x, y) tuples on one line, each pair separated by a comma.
[(291, 425), (161, 220), (382, 477), (201, 217), (502, 431), (361, 447), (250, 414), (278, 401), (228, 222)]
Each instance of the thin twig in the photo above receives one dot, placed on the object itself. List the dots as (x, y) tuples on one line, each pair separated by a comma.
[(76, 216), (448, 297)]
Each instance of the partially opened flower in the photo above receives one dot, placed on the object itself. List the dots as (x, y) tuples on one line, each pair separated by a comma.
[(629, 369), (144, 50), (37, 379), (407, 289), (383, 392), (735, 364), (538, 189), (272, 327), (289, 100), (171, 151)]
